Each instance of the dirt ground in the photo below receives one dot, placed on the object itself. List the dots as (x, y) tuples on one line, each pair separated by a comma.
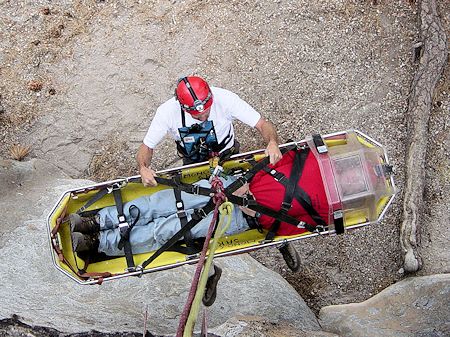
[(80, 82)]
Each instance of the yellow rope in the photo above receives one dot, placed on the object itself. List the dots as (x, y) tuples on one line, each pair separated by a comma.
[(226, 209)]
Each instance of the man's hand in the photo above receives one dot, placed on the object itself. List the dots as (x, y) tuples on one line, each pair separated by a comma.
[(270, 136), (148, 176), (247, 211), (243, 190), (273, 152), (144, 158)]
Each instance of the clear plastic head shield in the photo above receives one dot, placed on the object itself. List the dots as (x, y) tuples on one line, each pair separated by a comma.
[(356, 178)]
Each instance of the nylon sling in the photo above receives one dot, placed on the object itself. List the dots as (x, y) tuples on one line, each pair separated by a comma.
[(100, 194), (196, 217), (291, 186), (301, 196), (124, 229), (253, 205), (241, 181), (191, 246), (191, 189)]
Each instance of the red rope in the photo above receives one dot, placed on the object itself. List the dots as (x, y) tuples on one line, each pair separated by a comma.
[(218, 198)]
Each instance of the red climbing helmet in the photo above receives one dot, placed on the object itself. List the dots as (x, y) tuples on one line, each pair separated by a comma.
[(194, 94)]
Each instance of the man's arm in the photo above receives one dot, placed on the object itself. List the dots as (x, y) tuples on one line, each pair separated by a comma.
[(144, 158), (270, 136)]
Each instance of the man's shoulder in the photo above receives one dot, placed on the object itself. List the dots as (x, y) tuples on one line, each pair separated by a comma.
[(169, 108), (222, 92)]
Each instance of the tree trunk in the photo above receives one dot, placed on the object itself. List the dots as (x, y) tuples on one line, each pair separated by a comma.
[(433, 58)]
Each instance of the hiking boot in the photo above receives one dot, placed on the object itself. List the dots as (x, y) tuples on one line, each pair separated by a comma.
[(290, 256), (83, 243), (85, 225), (211, 287)]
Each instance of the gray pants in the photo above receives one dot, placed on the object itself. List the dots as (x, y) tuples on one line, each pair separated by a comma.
[(158, 221)]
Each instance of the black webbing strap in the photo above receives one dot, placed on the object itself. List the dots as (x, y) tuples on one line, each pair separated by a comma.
[(291, 185), (300, 195), (252, 222), (252, 204), (183, 118), (126, 235), (181, 214), (175, 183), (188, 188), (100, 194), (124, 228), (241, 181), (319, 143), (339, 222), (273, 230), (196, 217), (185, 249)]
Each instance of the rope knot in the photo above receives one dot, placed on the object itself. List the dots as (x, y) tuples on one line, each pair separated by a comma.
[(219, 195)]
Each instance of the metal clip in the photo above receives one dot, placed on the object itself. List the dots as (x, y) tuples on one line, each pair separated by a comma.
[(192, 256), (244, 201), (319, 229), (216, 173), (196, 189), (202, 213), (140, 270), (285, 206), (301, 224), (116, 186)]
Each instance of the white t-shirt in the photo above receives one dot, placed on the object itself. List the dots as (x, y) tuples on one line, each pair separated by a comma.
[(226, 107)]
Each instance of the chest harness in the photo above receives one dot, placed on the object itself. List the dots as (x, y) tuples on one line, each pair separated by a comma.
[(199, 141)]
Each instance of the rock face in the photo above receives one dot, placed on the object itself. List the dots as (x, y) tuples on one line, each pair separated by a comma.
[(40, 295), (417, 306), (255, 326)]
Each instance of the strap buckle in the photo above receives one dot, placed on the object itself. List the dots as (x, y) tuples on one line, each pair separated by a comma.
[(339, 214), (286, 206), (319, 229), (196, 189), (319, 143), (385, 170), (123, 226), (181, 214), (245, 201), (201, 213), (278, 176)]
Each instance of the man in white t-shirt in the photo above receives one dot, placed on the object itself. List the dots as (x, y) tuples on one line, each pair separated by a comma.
[(200, 119)]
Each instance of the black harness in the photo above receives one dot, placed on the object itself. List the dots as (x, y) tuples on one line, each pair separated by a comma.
[(294, 191), (199, 141)]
